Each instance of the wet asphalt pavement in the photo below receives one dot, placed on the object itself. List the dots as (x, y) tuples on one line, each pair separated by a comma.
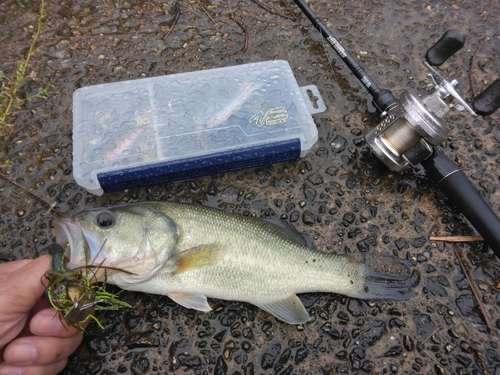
[(340, 195)]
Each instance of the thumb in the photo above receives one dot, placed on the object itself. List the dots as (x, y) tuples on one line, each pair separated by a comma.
[(25, 283), (20, 290)]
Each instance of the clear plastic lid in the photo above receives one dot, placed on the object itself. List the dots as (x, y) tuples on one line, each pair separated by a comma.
[(139, 122)]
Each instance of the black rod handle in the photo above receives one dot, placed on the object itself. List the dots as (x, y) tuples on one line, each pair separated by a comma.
[(453, 182)]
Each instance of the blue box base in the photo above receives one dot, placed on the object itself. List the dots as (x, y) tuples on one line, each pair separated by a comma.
[(156, 173)]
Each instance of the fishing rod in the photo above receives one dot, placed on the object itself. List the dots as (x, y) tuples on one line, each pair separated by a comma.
[(411, 127)]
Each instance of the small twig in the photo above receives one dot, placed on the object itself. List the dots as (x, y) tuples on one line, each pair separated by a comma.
[(177, 15), (485, 39), (273, 11), (431, 356), (456, 238), (432, 334), (245, 44), (49, 206), (473, 288), (208, 15)]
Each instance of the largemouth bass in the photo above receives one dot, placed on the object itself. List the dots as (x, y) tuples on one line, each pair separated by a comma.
[(190, 252)]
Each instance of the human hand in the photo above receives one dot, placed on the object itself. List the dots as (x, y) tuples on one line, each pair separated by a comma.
[(33, 341)]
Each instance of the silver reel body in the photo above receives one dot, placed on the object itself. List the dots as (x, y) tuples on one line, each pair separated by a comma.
[(408, 131)]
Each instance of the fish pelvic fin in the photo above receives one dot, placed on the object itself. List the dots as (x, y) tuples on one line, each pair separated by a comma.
[(386, 277), (191, 300), (197, 257), (290, 310)]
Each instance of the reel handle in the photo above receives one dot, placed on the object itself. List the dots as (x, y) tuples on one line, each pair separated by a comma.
[(488, 101), (457, 187), (451, 42)]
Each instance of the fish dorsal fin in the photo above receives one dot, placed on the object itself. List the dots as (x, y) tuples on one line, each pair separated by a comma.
[(290, 310), (288, 231), (197, 257), (191, 300)]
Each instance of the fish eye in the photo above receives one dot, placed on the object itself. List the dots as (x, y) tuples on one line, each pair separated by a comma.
[(105, 219)]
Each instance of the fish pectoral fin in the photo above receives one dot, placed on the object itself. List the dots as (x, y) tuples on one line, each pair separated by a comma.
[(197, 257), (191, 300), (290, 310)]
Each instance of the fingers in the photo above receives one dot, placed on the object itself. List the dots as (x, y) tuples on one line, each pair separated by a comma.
[(20, 285), (53, 368), (45, 351), (45, 344), (40, 351), (20, 289), (28, 279), (48, 323), (9, 267)]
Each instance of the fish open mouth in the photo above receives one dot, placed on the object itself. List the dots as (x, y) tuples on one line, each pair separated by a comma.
[(82, 247), (104, 253), (67, 235)]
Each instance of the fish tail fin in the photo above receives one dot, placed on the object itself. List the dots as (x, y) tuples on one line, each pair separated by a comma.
[(386, 277)]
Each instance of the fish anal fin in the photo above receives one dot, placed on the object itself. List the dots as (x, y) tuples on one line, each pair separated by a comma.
[(197, 257), (290, 310), (191, 300)]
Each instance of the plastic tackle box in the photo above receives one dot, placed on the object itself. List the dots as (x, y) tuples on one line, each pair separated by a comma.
[(179, 126)]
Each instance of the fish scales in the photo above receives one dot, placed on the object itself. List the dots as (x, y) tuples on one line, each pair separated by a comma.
[(204, 252), (254, 253)]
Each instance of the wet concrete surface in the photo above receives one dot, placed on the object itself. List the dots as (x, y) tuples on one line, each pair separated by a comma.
[(340, 195)]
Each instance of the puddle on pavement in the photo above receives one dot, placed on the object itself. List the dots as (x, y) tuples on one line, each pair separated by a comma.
[(340, 195)]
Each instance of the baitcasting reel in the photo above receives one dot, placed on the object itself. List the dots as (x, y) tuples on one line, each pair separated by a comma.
[(411, 128)]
